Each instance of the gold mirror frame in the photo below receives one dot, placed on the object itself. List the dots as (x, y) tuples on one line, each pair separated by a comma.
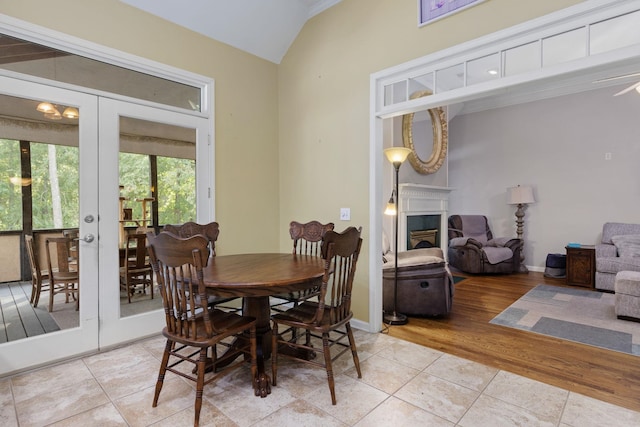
[(440, 138)]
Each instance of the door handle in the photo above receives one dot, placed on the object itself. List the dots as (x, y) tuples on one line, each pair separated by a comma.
[(88, 238)]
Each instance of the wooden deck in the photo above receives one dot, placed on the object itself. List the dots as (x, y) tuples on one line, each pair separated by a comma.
[(18, 318)]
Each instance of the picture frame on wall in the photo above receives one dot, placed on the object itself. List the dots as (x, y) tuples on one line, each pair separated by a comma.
[(432, 10)]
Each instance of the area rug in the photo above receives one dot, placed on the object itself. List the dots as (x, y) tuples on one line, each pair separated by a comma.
[(579, 315), (458, 279)]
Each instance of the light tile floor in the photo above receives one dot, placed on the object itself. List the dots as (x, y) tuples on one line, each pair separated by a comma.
[(403, 384)]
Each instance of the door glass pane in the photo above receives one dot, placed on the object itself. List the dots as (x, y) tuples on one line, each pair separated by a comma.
[(54, 173), (39, 198), (177, 185), (157, 186)]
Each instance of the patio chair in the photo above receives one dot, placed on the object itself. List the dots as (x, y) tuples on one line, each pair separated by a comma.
[(39, 277), (62, 278)]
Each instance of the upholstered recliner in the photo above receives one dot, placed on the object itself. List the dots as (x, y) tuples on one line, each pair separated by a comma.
[(473, 249), (618, 250), (425, 285)]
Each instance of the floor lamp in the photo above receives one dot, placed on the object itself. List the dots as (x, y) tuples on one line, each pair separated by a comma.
[(521, 196), (395, 155)]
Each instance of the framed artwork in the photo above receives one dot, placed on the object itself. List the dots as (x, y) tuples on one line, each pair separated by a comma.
[(432, 10)]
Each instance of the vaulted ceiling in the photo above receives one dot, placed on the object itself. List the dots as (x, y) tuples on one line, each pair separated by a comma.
[(265, 28)]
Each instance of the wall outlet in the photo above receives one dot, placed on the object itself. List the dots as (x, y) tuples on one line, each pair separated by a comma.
[(607, 156), (345, 214)]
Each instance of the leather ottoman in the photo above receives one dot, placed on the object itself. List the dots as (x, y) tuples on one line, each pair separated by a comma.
[(423, 290)]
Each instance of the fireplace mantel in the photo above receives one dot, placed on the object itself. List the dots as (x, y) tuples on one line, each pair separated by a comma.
[(419, 199)]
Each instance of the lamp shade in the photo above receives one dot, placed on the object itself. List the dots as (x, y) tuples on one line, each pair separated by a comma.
[(45, 107), (520, 195), (391, 209), (397, 154), (71, 113)]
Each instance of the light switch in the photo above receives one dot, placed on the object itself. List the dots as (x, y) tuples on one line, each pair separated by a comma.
[(345, 214)]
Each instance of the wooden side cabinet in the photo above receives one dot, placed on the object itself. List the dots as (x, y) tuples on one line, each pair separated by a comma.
[(581, 266)]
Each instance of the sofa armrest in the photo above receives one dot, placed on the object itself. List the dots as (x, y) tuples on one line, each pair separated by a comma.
[(414, 257), (420, 253), (464, 241), (503, 242), (513, 244), (604, 250)]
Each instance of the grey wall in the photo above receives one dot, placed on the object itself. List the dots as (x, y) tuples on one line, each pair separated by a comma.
[(557, 146)]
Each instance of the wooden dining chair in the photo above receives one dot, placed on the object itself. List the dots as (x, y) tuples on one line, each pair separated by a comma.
[(136, 268), (211, 231), (329, 318), (178, 263), (72, 234), (63, 279), (307, 240), (39, 277)]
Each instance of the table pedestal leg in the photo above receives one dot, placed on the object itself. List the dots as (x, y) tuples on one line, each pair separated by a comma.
[(259, 308)]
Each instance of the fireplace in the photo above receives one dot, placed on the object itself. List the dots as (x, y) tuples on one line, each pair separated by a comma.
[(423, 231), (422, 211)]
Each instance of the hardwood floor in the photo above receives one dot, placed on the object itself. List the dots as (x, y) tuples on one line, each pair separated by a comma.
[(466, 332)]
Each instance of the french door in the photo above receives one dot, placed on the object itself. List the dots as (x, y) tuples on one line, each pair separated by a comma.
[(128, 133), (78, 138), (104, 132)]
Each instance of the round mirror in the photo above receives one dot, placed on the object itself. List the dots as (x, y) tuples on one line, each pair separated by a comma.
[(425, 134)]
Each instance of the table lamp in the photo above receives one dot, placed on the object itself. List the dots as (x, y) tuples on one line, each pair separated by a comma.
[(521, 196)]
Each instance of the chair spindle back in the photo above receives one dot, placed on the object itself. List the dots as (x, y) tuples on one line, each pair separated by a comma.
[(340, 251), (178, 263), (307, 238)]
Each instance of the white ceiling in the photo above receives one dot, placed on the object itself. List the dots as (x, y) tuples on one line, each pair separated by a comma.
[(265, 28)]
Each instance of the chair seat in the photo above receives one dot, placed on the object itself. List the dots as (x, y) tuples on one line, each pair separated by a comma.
[(302, 316), (298, 295), (226, 324)]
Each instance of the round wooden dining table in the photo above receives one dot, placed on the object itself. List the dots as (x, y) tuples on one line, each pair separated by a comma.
[(255, 277)]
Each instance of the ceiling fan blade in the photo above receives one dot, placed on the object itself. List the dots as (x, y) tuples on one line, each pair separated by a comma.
[(629, 89)]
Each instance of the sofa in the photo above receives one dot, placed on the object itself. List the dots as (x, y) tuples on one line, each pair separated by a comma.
[(619, 250)]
